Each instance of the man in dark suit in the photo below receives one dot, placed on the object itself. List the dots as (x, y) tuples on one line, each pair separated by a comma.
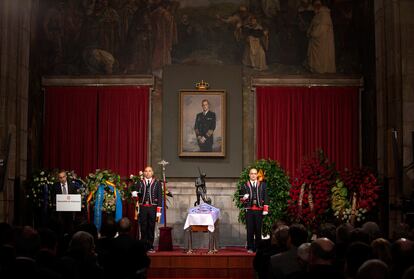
[(204, 127), (64, 186), (149, 192)]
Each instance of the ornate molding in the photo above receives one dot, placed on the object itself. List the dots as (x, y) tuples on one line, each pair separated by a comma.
[(308, 80), (134, 80)]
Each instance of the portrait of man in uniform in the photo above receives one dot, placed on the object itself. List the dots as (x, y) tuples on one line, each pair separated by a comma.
[(202, 123)]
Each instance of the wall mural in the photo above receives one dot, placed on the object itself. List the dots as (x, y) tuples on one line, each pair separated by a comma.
[(141, 36)]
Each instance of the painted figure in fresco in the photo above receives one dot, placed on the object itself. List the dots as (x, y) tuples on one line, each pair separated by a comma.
[(237, 20), (256, 41), (139, 43), (53, 27), (164, 30), (108, 27), (304, 17), (99, 61), (186, 43), (321, 47), (126, 14), (204, 127)]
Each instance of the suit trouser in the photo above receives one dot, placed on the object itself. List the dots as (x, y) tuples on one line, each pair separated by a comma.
[(147, 216), (254, 220)]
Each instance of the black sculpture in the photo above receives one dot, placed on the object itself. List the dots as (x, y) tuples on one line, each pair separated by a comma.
[(201, 189)]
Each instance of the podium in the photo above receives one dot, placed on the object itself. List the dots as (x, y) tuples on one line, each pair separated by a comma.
[(71, 202), (203, 218)]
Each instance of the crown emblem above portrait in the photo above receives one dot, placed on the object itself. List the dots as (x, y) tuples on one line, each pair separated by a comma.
[(202, 85)]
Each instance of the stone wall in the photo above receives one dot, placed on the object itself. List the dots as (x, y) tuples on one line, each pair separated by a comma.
[(394, 29), (14, 82), (231, 232)]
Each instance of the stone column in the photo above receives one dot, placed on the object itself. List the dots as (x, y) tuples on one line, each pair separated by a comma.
[(14, 75), (394, 73)]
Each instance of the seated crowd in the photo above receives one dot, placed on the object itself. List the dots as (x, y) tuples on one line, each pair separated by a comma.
[(342, 252), (290, 253), (43, 253)]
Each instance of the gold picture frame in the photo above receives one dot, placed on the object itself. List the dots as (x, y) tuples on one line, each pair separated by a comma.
[(197, 138)]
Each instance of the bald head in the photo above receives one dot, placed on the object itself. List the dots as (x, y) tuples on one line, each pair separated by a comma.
[(124, 225), (373, 269), (322, 251)]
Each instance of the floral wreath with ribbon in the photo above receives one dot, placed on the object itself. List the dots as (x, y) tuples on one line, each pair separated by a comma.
[(309, 202), (355, 195)]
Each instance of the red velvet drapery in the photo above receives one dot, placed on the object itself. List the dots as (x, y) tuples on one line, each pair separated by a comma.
[(293, 122), (96, 127), (70, 129), (123, 129)]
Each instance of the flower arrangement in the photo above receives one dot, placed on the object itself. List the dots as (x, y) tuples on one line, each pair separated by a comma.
[(111, 183), (277, 188), (309, 202), (360, 192), (40, 185), (105, 193)]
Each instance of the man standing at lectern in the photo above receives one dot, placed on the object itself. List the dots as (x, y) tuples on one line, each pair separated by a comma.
[(254, 197), (64, 186), (149, 193)]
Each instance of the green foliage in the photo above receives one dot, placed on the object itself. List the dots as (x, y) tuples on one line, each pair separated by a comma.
[(40, 186), (106, 177), (277, 188)]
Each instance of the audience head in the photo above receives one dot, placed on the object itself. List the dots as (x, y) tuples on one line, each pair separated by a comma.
[(303, 253), (373, 269), (280, 237), (322, 252), (381, 250), (402, 251), (27, 242), (343, 233), (327, 230), (403, 230), (297, 235), (90, 228), (108, 229), (359, 235), (82, 245), (372, 229), (48, 240), (409, 273), (357, 254), (124, 226)]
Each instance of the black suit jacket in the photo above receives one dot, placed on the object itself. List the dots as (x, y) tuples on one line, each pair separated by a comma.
[(72, 188), (155, 191), (57, 190)]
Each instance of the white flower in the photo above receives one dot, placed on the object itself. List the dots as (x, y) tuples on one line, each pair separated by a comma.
[(131, 176)]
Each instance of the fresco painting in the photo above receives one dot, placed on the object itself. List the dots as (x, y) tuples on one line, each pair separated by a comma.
[(142, 36)]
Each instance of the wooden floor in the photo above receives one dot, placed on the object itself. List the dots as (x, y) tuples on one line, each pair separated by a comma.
[(228, 262)]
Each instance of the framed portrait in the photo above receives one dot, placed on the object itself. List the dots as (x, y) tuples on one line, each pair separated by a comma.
[(202, 127)]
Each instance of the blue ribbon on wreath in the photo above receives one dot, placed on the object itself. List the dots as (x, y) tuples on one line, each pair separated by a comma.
[(100, 193)]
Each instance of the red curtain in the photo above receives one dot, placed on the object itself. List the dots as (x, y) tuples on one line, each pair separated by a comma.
[(293, 122), (88, 128), (123, 129), (70, 128)]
